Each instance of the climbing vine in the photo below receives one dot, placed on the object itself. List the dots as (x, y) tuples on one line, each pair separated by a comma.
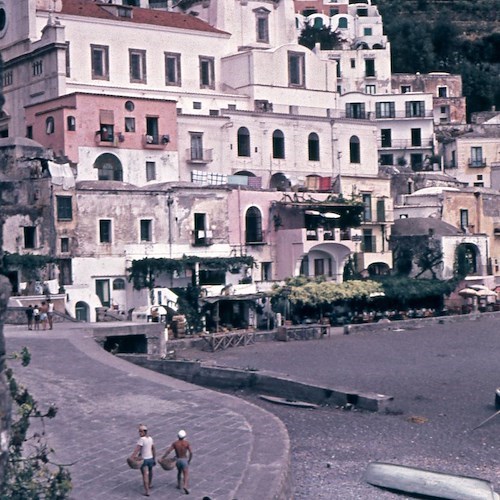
[(144, 272), (29, 264)]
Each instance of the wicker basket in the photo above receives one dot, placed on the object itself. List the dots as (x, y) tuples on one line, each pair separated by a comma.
[(167, 463), (135, 463)]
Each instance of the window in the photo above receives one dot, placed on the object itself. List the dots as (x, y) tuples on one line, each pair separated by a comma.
[(64, 245), (362, 12), (416, 137), (386, 138), (339, 69), (152, 131), (253, 225), (196, 105), (355, 110), (380, 210), (150, 171), (476, 157), (146, 229), (369, 67), (442, 91), (296, 69), (266, 271), (354, 150), (343, 23), (368, 241), (405, 89), (196, 146), (313, 147), (353, 63), (64, 208), (8, 78), (105, 231), (129, 106), (102, 291), (100, 62), (207, 75), (49, 125), (71, 123), (319, 267), (172, 69), (367, 31), (367, 202), (119, 284), (371, 89), (37, 67), (201, 234), (464, 218), (68, 65), (137, 65), (415, 108), (106, 121), (262, 25), (30, 237), (243, 142), (129, 124), (278, 144), (385, 110), (387, 159), (29, 131), (304, 267), (334, 11)]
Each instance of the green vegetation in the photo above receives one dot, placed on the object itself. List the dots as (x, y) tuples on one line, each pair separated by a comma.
[(30, 473), (30, 265), (455, 36)]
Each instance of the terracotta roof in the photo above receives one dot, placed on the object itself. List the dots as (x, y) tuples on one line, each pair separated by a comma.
[(91, 8)]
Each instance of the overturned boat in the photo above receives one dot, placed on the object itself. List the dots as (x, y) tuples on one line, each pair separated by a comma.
[(427, 483)]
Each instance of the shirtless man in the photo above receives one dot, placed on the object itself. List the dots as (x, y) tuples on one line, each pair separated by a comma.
[(184, 455)]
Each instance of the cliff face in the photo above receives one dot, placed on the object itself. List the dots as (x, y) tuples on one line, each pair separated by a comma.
[(5, 403)]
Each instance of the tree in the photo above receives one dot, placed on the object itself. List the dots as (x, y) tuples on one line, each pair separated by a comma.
[(30, 474), (327, 39)]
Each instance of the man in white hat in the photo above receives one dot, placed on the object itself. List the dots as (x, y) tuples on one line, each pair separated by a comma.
[(146, 450), (184, 455)]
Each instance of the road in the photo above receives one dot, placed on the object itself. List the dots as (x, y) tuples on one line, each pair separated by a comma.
[(442, 377)]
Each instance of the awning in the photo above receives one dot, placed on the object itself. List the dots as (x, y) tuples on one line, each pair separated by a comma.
[(234, 298)]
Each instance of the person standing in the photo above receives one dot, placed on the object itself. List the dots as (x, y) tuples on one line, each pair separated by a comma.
[(43, 314), (29, 316), (184, 455), (50, 313), (145, 449), (36, 317)]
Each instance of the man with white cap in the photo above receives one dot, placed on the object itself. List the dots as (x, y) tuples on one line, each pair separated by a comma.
[(184, 455), (146, 450)]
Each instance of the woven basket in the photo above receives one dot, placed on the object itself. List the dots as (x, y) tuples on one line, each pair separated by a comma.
[(167, 463), (134, 463)]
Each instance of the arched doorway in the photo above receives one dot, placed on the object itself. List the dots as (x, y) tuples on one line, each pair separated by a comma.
[(378, 269), (467, 259), (279, 182), (82, 311), (109, 168)]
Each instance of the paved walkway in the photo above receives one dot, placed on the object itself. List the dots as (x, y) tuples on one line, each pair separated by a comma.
[(101, 401)]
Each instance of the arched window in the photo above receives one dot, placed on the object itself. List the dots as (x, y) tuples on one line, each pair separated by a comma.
[(109, 168), (343, 22), (278, 144), (49, 125), (313, 146), (354, 150), (243, 142), (253, 225), (119, 284), (318, 23), (71, 123)]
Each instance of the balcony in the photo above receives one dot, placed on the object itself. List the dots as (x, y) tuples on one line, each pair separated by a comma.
[(202, 238), (477, 162), (199, 156), (155, 141), (404, 144)]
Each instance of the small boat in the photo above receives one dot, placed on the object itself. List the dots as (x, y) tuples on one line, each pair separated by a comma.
[(497, 398), (427, 483)]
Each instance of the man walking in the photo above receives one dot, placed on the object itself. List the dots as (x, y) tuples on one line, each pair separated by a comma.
[(29, 317), (146, 450), (184, 455)]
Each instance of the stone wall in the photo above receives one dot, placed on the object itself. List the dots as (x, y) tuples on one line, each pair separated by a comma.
[(5, 403)]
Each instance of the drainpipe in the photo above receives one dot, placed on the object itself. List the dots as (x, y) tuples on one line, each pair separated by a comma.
[(477, 194)]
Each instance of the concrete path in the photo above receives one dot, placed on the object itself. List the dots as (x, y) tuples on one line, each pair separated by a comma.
[(102, 399)]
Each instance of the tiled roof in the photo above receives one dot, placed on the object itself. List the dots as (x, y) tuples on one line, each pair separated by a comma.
[(91, 8), (419, 226)]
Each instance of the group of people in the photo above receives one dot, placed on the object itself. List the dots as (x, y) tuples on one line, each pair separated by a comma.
[(40, 315), (145, 449)]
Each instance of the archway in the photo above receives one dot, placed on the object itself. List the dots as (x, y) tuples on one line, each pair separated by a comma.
[(82, 311), (467, 259), (279, 182), (109, 168), (378, 269)]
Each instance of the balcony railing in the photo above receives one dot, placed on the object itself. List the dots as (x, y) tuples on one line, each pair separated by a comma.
[(404, 144), (477, 163), (199, 155), (202, 238), (155, 141)]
